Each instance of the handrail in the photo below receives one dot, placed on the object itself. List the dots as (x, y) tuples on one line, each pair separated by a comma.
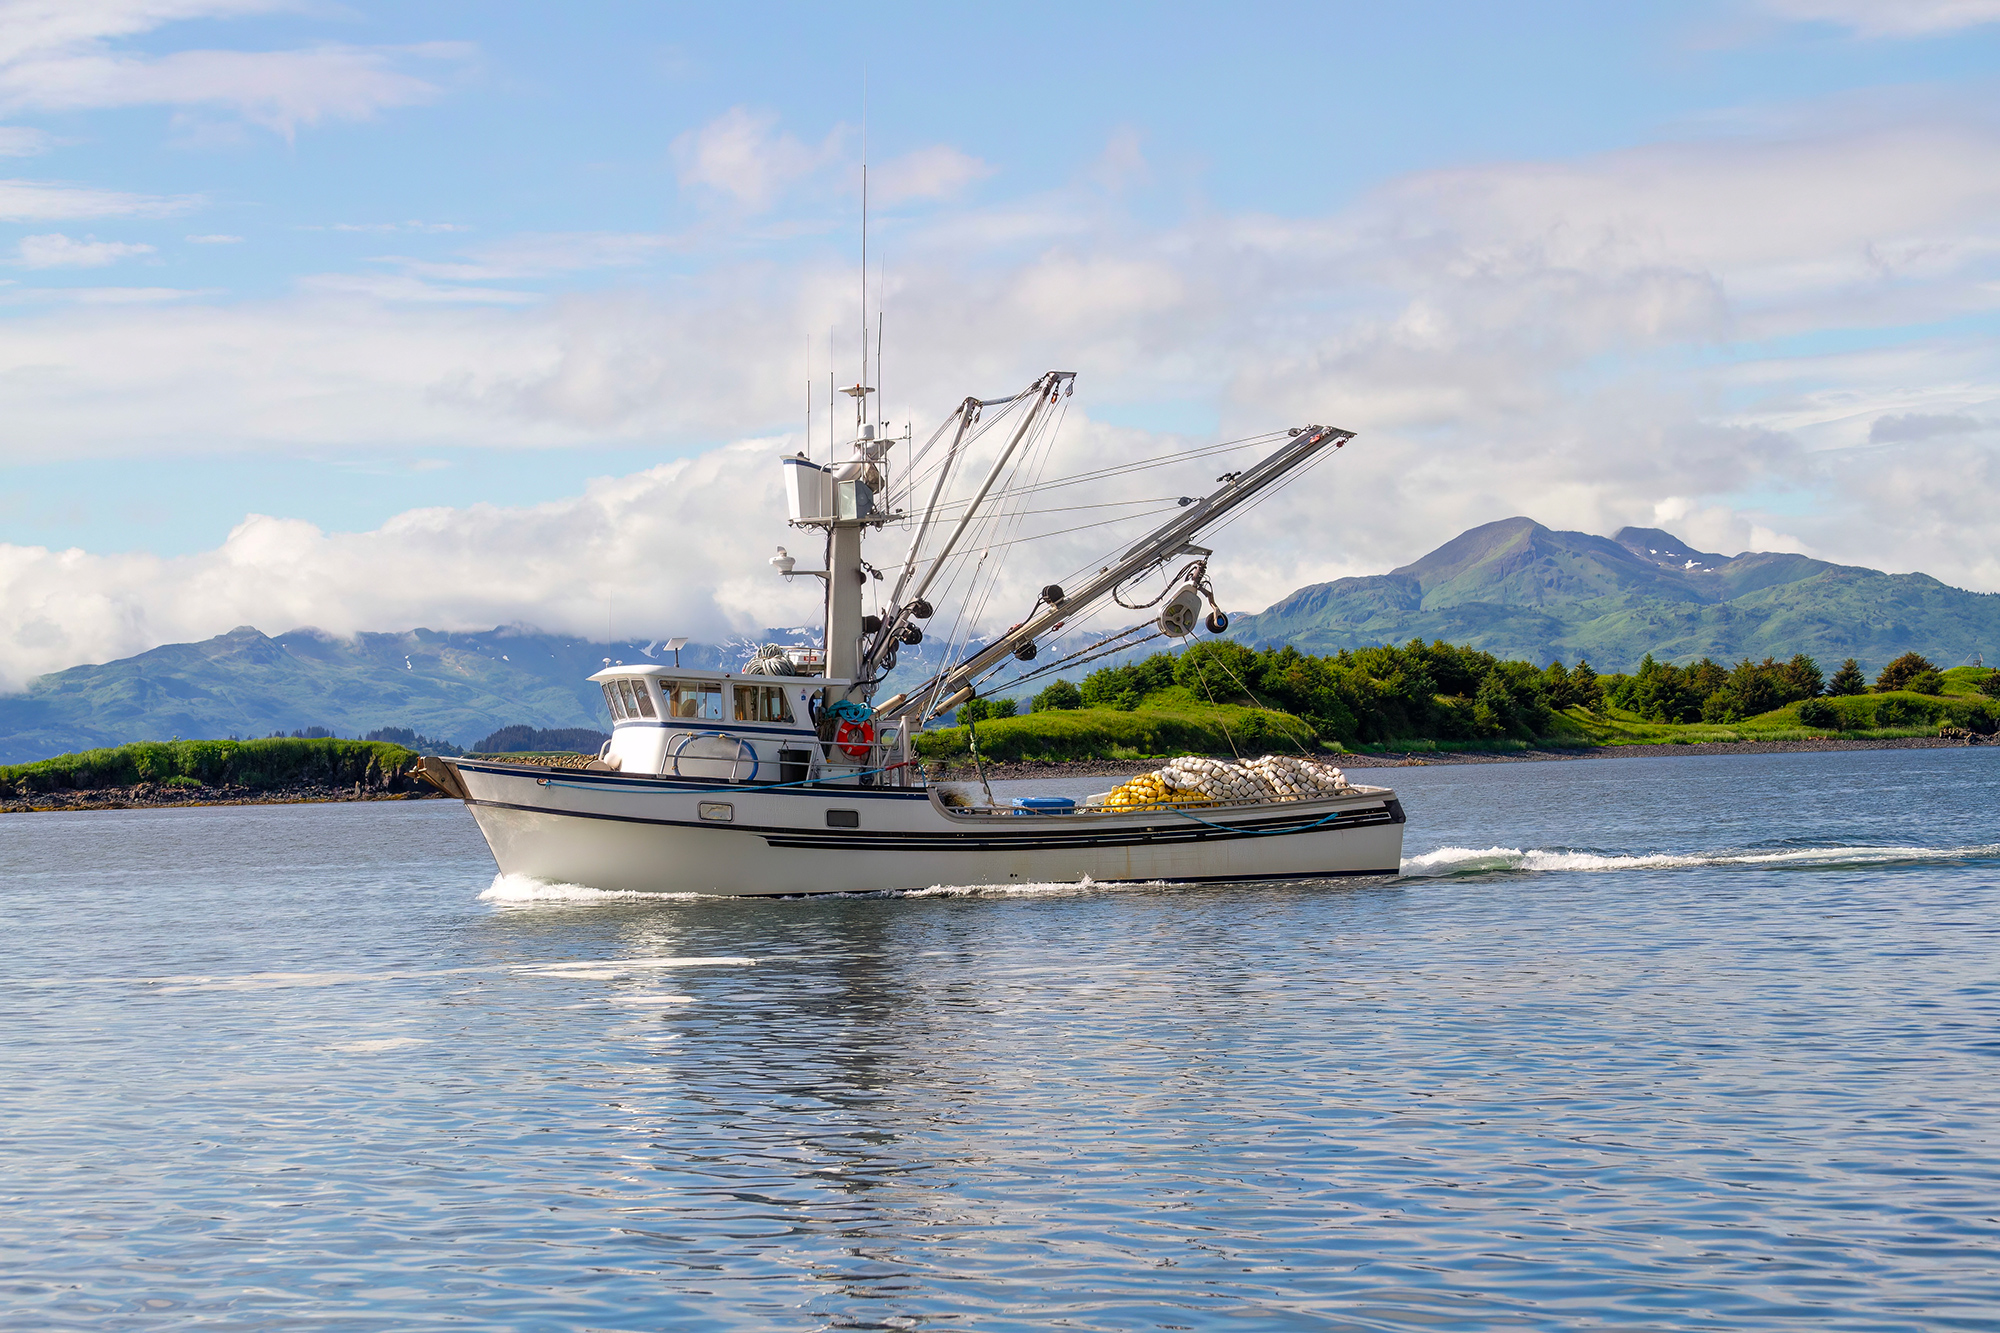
[(826, 783), (734, 764)]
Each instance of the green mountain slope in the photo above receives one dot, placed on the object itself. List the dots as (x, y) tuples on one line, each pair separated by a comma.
[(244, 683), (1518, 589)]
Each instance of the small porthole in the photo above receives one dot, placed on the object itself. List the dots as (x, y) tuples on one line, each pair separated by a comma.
[(843, 819), (721, 812)]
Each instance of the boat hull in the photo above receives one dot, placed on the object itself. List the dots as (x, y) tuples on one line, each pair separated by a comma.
[(651, 835)]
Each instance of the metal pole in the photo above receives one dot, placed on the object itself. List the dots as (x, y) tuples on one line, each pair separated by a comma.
[(896, 602), (999, 464)]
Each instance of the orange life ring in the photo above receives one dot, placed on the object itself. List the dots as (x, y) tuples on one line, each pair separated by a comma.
[(855, 749)]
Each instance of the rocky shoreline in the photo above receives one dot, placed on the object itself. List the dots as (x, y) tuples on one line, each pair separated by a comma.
[(151, 795)]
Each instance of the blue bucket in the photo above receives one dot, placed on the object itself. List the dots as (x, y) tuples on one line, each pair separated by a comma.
[(1044, 805)]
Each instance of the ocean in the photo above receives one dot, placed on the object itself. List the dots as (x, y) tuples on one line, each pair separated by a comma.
[(1668, 1043)]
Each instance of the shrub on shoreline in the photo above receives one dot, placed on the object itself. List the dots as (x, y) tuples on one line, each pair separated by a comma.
[(277, 761)]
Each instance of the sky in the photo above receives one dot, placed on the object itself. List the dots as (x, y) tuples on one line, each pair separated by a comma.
[(368, 316)]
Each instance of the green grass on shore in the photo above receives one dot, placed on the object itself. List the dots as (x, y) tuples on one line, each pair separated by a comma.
[(1167, 727), (1898, 713), (277, 761)]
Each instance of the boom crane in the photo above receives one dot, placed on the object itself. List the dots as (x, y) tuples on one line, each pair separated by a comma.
[(954, 685)]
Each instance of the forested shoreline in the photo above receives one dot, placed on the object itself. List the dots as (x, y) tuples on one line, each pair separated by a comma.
[(1448, 694), (1219, 697)]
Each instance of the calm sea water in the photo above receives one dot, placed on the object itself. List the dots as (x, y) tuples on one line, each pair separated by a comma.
[(1675, 1043)]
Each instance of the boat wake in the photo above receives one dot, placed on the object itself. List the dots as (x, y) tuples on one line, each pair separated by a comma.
[(1450, 861), (1084, 885), (518, 889)]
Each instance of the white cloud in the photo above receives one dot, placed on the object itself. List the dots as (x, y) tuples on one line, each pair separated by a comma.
[(216, 238), (937, 172), (553, 564), (396, 287), (37, 27), (97, 296), (51, 201), (1923, 426), (1564, 340), (539, 256), (1123, 162), (20, 141), (1890, 18), (58, 55), (56, 250), (742, 155), (411, 226)]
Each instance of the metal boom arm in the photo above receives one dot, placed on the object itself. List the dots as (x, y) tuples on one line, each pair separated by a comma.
[(1155, 549)]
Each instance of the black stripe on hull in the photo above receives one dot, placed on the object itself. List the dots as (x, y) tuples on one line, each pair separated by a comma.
[(1156, 835)]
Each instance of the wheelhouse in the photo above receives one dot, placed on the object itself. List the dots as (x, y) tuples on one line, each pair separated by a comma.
[(741, 728)]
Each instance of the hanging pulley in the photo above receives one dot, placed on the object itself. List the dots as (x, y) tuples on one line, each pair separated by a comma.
[(1181, 613)]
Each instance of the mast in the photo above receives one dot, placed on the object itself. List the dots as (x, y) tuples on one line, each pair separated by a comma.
[(854, 485)]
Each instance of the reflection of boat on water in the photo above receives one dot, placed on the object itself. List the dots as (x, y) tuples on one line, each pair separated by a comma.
[(788, 776)]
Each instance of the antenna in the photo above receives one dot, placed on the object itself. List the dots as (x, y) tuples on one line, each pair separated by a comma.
[(864, 232)]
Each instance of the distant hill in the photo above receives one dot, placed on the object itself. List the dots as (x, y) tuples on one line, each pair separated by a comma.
[(460, 687), (1514, 588), (1518, 589)]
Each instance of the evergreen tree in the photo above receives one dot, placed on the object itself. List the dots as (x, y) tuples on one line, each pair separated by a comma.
[(1557, 687), (1059, 694), (1802, 678), (1584, 685), (1900, 673), (1848, 680)]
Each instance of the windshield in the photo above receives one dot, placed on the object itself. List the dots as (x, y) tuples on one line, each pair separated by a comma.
[(762, 703), (699, 700)]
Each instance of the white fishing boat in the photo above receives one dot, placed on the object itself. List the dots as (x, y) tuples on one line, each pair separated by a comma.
[(789, 775)]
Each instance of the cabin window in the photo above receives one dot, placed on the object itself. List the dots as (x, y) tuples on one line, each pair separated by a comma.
[(644, 695), (762, 703), (612, 701), (843, 819), (625, 693), (695, 699)]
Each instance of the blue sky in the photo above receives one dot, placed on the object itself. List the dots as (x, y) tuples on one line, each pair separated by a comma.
[(1730, 266)]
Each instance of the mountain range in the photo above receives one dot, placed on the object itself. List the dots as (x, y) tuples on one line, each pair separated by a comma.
[(1517, 589), (1513, 588), (245, 683)]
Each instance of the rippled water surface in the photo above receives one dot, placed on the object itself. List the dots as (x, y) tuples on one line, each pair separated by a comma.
[(1673, 1043)]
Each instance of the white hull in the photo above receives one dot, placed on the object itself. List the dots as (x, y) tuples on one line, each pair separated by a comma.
[(649, 834)]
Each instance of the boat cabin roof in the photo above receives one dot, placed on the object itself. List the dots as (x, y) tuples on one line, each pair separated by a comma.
[(692, 673)]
